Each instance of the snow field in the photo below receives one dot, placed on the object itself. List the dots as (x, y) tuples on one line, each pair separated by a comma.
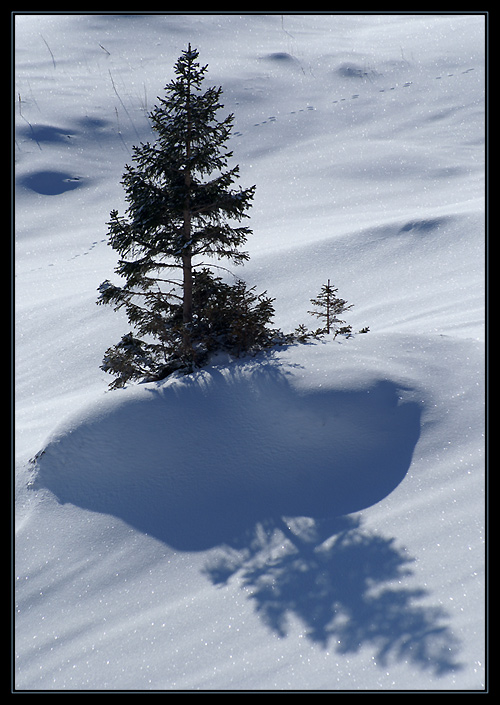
[(311, 519)]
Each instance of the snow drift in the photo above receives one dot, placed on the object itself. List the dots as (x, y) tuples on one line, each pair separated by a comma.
[(201, 458)]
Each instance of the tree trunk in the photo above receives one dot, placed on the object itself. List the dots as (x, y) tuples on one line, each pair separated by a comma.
[(187, 299), (187, 268), (328, 308)]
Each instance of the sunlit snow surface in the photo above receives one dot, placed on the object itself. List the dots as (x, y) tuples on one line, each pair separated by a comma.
[(310, 519)]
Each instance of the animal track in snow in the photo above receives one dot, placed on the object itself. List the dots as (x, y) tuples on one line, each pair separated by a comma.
[(353, 96), (55, 183), (70, 259), (88, 251)]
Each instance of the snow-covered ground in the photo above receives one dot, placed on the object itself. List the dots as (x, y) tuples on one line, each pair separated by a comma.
[(309, 519)]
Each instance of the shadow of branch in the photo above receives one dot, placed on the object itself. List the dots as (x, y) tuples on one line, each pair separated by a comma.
[(345, 585)]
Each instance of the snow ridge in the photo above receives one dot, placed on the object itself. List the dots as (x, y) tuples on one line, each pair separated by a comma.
[(200, 459)]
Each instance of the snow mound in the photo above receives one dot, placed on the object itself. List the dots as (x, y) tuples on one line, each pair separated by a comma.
[(199, 459)]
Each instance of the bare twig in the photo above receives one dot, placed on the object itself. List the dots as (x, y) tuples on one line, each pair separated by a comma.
[(50, 51), (122, 103)]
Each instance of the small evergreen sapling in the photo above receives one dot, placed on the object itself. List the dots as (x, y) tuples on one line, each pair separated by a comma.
[(329, 307)]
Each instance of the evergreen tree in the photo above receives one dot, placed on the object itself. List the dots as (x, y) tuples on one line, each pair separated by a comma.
[(231, 317), (329, 307), (182, 211)]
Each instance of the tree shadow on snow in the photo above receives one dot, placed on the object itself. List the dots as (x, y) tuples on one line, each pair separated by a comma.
[(217, 459), (343, 584)]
